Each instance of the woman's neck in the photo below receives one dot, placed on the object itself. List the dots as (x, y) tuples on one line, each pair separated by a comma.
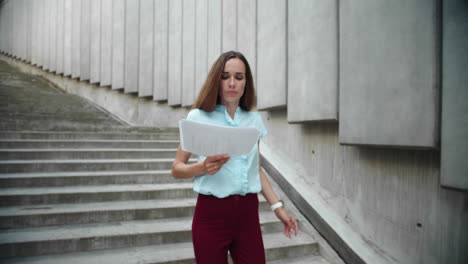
[(231, 108)]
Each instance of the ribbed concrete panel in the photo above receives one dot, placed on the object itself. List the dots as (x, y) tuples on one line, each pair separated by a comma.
[(95, 41), (188, 53), (214, 31), (46, 35), (247, 32), (389, 77), (34, 33), (106, 43), (67, 35), (28, 5), (454, 143), (132, 10), (229, 25), (145, 74), (161, 31), (75, 41), (312, 60), (60, 35), (118, 43), (201, 45), (175, 53), (53, 36), (85, 40), (271, 54)]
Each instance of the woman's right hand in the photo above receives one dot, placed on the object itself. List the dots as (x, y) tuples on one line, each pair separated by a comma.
[(213, 164)]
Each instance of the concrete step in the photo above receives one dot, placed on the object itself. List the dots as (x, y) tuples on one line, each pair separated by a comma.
[(76, 238), (86, 143), (12, 166), (51, 179), (123, 135), (100, 193), (276, 245), (86, 213), (89, 153), (310, 259)]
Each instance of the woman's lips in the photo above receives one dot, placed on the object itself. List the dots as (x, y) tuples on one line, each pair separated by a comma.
[(232, 93)]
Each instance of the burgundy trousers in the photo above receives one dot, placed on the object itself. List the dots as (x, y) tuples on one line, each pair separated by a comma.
[(227, 224)]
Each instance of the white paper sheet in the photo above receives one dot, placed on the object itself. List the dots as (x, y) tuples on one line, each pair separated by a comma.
[(208, 140)]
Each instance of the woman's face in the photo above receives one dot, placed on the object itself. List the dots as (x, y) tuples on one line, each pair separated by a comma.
[(232, 81)]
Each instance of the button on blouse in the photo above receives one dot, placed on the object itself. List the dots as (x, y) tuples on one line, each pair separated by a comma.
[(240, 175)]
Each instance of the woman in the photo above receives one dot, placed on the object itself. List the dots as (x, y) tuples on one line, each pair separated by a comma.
[(226, 214)]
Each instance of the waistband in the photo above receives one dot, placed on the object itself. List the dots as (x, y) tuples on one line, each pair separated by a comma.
[(230, 197)]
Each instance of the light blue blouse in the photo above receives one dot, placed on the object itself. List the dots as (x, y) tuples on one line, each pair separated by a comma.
[(240, 175)]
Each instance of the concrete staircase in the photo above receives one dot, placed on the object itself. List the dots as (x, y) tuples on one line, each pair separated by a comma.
[(107, 197), (79, 186)]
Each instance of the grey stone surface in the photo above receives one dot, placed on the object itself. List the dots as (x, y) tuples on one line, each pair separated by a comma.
[(60, 35), (389, 73), (229, 25), (67, 50), (34, 33), (201, 45), (454, 141), (188, 52), (271, 54), (118, 44), (85, 40), (161, 35), (75, 39), (131, 45), (214, 31), (106, 43), (95, 63), (390, 198), (145, 73), (175, 53), (247, 32), (312, 60)]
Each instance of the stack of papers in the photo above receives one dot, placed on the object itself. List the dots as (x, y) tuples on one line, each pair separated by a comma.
[(208, 140)]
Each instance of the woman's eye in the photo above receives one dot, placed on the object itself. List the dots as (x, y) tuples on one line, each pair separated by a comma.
[(224, 77), (239, 78)]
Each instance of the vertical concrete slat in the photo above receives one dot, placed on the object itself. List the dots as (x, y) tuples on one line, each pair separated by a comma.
[(454, 143), (67, 38), (161, 31), (53, 36), (271, 54), (132, 15), (85, 40), (175, 53), (247, 32), (389, 73), (60, 36), (215, 12), (188, 53), (106, 43), (46, 35), (34, 33), (229, 25), (312, 60), (201, 45), (28, 6), (95, 42), (75, 41), (118, 44), (145, 73)]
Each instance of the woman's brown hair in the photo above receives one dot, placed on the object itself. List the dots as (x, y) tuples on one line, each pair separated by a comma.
[(208, 97)]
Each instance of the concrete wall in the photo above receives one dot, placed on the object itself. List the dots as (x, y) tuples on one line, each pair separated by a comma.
[(343, 62)]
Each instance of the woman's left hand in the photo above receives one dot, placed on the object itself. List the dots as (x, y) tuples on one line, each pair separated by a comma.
[(289, 222)]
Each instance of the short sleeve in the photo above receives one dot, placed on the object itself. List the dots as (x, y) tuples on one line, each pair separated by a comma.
[(193, 115), (260, 126)]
